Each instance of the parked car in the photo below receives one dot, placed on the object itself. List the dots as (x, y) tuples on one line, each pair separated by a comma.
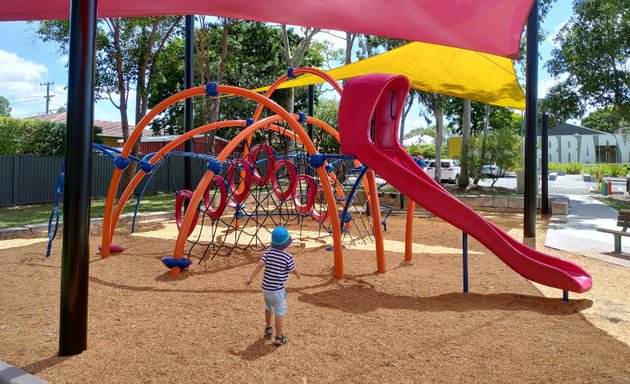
[(492, 170), (450, 170)]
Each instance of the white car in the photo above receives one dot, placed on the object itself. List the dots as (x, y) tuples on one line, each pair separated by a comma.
[(450, 170), (492, 170)]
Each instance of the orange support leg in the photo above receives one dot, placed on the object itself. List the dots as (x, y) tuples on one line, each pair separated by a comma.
[(411, 210), (375, 212)]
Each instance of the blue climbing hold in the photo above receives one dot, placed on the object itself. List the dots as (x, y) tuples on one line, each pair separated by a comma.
[(171, 262), (316, 160), (215, 166), (212, 89), (146, 166), (121, 162)]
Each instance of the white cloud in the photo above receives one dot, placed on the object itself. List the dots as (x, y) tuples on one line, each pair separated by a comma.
[(19, 83)]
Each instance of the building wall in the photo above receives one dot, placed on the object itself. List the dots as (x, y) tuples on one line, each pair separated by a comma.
[(589, 149)]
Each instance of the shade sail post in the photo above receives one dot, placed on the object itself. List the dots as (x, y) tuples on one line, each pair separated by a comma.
[(531, 118), (189, 52), (75, 253)]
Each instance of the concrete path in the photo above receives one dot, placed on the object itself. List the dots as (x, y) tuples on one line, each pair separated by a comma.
[(578, 234)]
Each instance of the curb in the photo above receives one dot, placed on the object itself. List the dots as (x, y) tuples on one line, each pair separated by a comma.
[(12, 375)]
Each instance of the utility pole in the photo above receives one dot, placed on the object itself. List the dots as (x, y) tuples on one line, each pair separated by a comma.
[(48, 95)]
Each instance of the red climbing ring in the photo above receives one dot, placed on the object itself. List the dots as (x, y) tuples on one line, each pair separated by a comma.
[(271, 161), (215, 213), (305, 209), (238, 165), (277, 190), (182, 196), (315, 214)]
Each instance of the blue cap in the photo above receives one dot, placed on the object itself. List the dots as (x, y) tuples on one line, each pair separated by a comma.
[(280, 238)]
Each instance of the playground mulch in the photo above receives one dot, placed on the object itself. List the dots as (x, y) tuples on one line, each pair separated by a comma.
[(411, 324)]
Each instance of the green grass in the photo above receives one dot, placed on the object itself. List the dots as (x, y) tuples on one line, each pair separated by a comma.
[(615, 203), (22, 215)]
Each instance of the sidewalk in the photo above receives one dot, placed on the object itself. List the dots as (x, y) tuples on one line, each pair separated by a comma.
[(578, 234)]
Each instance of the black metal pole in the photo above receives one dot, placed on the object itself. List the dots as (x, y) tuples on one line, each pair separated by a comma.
[(544, 164), (311, 108), (189, 52), (75, 253), (531, 117), (465, 260), (311, 112)]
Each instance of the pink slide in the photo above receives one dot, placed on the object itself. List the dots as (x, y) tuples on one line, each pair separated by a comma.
[(368, 125)]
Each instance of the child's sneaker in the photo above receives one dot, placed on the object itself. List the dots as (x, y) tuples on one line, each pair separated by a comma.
[(280, 340), (268, 332)]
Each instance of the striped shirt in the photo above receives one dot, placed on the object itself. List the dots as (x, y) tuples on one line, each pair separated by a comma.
[(278, 264)]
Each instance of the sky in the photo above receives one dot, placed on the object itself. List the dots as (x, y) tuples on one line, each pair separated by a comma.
[(27, 63)]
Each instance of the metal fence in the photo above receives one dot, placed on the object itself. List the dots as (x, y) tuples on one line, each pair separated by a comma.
[(32, 179)]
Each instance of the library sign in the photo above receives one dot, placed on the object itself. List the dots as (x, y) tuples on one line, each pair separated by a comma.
[(589, 149)]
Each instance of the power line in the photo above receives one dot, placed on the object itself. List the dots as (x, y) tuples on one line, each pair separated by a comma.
[(28, 101)]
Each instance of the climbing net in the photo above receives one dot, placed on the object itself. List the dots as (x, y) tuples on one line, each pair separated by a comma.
[(268, 181)]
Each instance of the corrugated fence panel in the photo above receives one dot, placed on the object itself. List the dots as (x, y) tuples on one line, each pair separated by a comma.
[(102, 170), (32, 179), (35, 178), (6, 180)]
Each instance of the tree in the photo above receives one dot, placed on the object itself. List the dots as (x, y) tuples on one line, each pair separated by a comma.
[(295, 56), (255, 58), (5, 108), (126, 51), (502, 147), (435, 103), (593, 50), (498, 116), (607, 120), (464, 180), (327, 110)]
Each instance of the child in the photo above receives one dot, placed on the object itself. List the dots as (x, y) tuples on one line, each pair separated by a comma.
[(278, 264)]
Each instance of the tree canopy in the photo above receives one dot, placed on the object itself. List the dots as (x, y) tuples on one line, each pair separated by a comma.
[(607, 120), (256, 57), (5, 108), (593, 50), (499, 117)]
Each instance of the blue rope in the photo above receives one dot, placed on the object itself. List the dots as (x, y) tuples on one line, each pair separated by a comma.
[(148, 157), (55, 211)]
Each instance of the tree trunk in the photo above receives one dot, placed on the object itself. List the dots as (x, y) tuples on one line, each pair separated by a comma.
[(439, 132), (216, 102), (464, 178), (486, 127), (294, 60)]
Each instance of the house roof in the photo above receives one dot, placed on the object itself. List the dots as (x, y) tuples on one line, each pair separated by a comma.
[(419, 140), (109, 128), (563, 129)]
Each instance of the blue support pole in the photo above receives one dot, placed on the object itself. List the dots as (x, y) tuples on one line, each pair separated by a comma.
[(465, 259), (531, 119), (565, 295)]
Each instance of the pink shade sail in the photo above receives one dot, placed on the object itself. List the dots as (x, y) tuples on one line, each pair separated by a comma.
[(491, 26)]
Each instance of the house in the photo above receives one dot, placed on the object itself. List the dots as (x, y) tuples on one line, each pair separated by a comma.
[(111, 136), (573, 143)]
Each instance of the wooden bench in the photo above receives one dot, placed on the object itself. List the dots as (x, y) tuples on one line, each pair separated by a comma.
[(623, 221)]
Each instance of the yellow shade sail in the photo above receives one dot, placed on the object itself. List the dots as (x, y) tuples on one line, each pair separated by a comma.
[(435, 68)]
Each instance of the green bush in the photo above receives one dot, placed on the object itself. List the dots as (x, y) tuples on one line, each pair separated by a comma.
[(37, 137), (612, 170), (568, 168), (603, 170)]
